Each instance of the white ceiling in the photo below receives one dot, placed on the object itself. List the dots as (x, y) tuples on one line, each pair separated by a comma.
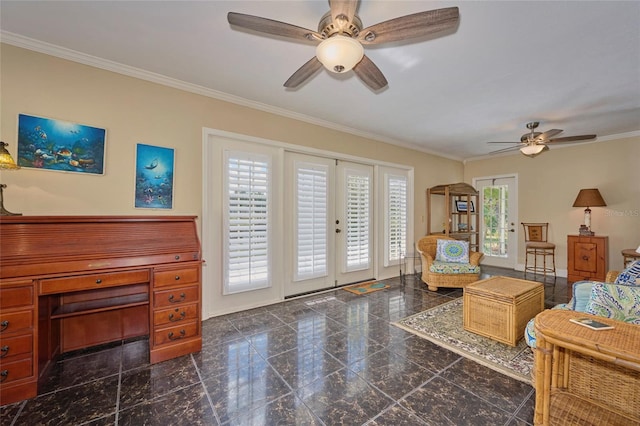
[(572, 65)]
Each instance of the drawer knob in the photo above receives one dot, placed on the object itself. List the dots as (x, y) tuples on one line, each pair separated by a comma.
[(98, 281), (4, 325), (177, 277), (3, 375), (177, 257), (174, 337), (182, 297), (585, 257), (172, 318), (4, 351)]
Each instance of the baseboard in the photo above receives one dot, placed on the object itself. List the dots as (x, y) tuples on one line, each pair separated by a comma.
[(559, 272)]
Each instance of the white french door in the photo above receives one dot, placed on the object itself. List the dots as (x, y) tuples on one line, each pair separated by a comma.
[(328, 223), (498, 198), (309, 223), (354, 222)]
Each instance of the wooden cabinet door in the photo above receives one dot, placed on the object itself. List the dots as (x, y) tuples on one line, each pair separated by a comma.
[(587, 258)]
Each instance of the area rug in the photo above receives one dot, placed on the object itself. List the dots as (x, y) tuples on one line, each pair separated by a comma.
[(443, 326), (368, 287)]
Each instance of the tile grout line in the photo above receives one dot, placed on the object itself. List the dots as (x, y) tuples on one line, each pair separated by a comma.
[(204, 388), (119, 390)]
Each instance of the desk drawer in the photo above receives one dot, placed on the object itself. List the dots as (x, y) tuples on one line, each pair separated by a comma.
[(16, 370), (14, 297), (166, 298), (175, 334), (175, 315), (176, 277), (15, 321), (93, 281), (12, 346)]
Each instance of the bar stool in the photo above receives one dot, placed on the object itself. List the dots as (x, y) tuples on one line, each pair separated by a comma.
[(536, 244)]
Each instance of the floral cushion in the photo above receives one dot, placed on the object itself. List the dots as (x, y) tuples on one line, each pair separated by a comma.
[(620, 302), (452, 251), (453, 268), (631, 275)]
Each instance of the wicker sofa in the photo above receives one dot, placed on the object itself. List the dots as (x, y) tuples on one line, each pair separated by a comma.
[(583, 376), (582, 293), (586, 377), (441, 274)]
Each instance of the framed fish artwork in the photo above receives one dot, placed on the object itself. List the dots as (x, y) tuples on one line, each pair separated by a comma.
[(50, 144), (154, 177)]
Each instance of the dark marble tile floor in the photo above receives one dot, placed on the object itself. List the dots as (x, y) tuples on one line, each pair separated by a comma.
[(326, 359)]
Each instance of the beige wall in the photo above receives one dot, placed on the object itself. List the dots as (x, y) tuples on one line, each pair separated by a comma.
[(549, 184), (136, 111)]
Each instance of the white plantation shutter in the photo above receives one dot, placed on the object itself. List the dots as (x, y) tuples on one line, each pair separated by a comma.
[(246, 243), (312, 200), (357, 226), (395, 218)]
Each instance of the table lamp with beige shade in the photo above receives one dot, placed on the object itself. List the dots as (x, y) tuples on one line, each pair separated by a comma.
[(588, 198), (6, 163)]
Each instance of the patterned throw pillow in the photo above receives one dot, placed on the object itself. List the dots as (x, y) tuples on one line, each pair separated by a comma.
[(452, 251), (620, 302), (581, 295), (631, 275)]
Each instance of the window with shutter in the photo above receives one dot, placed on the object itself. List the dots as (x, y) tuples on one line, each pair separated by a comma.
[(357, 220), (311, 245), (395, 218), (247, 214)]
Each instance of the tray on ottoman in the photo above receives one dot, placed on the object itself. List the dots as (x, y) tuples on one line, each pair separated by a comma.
[(500, 307)]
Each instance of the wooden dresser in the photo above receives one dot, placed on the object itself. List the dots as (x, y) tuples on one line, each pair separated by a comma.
[(586, 259), (70, 282)]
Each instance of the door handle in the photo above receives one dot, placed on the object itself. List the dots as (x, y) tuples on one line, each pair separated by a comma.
[(512, 230), (338, 230)]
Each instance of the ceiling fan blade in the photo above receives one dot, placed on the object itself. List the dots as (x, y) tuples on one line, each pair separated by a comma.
[(269, 26), (303, 73), (572, 138), (548, 134), (343, 10), (410, 26), (511, 148), (506, 142), (370, 74)]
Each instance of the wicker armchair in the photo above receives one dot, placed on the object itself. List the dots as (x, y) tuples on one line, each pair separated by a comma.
[(586, 377), (427, 248)]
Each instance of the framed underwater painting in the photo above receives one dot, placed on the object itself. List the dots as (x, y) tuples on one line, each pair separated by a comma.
[(50, 144), (154, 177)]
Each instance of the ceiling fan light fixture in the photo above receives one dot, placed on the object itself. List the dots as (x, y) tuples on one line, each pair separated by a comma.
[(533, 149), (339, 53)]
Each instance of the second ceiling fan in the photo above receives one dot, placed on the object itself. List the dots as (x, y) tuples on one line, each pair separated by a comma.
[(533, 143), (340, 38)]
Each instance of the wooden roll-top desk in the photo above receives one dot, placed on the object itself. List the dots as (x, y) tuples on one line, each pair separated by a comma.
[(71, 282)]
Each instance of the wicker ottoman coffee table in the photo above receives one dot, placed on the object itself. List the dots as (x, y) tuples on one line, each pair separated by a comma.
[(500, 307)]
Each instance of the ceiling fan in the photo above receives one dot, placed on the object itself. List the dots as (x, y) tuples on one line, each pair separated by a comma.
[(340, 38), (533, 143)]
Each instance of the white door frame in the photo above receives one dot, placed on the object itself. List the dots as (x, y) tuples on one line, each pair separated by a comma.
[(511, 261), (214, 302), (294, 284), (345, 275)]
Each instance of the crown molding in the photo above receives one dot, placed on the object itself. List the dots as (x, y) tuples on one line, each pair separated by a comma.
[(105, 64)]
